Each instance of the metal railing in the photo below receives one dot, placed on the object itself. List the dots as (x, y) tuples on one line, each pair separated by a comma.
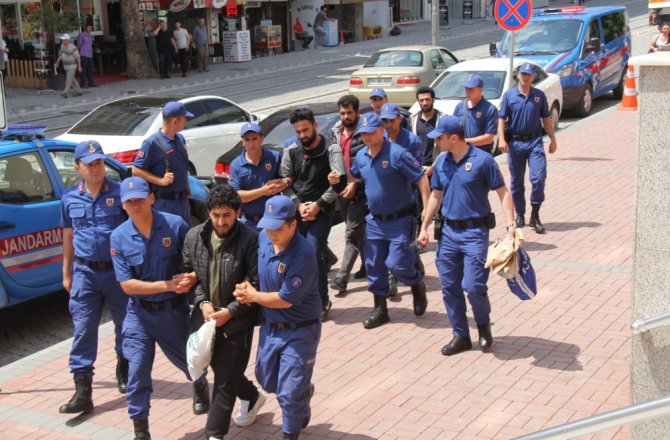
[(644, 325)]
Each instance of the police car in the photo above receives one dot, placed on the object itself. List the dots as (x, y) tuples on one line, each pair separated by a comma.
[(34, 174)]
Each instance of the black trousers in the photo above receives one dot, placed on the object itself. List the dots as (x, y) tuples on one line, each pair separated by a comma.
[(86, 71), (164, 59), (305, 38), (229, 360), (184, 59)]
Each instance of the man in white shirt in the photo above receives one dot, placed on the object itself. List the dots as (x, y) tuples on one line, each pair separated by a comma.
[(183, 40)]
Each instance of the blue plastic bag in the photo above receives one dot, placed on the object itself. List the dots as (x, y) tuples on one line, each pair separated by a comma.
[(523, 284)]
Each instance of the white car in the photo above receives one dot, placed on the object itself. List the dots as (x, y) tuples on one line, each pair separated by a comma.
[(449, 90), (121, 125)]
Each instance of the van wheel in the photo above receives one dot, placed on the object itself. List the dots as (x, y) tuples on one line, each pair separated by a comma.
[(555, 114), (585, 103), (191, 169), (617, 92)]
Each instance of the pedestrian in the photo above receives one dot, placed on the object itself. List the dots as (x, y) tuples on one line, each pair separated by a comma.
[(163, 162), (183, 40), (90, 211), (352, 202), (223, 253), (4, 57), (301, 34), (423, 122), (201, 41), (306, 165), (166, 45), (481, 122), (68, 55), (388, 172), (660, 42), (291, 328), (147, 254), (150, 39), (461, 181), (254, 174), (317, 26), (85, 47), (524, 108)]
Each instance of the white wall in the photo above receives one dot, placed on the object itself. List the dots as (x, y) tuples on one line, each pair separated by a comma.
[(376, 13)]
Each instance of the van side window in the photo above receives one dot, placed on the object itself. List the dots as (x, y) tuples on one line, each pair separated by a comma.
[(614, 26), (593, 31)]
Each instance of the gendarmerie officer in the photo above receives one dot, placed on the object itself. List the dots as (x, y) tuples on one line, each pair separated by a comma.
[(90, 211), (389, 172), (163, 162), (291, 307), (461, 181), (526, 112), (146, 252), (481, 120)]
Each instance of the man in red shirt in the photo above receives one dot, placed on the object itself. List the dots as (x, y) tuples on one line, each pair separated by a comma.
[(301, 35)]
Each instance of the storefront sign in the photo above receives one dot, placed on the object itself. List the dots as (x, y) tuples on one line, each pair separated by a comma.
[(179, 5)]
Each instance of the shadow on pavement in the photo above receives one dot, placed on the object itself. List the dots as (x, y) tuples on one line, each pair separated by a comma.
[(532, 246), (570, 226), (546, 353), (583, 159), (398, 315)]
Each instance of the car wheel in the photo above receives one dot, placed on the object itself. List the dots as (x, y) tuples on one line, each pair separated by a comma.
[(617, 92), (585, 103), (191, 169), (555, 114)]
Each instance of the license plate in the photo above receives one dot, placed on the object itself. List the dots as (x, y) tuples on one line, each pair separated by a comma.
[(379, 81)]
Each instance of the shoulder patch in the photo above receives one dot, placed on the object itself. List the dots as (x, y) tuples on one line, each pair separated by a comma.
[(112, 252), (296, 282), (140, 154)]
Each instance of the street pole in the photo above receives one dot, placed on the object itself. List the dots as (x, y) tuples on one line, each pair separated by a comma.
[(511, 62), (435, 22)]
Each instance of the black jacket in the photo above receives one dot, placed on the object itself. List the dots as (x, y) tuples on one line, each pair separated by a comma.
[(239, 260)]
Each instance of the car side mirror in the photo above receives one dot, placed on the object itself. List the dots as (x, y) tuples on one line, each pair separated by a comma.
[(493, 48), (593, 45)]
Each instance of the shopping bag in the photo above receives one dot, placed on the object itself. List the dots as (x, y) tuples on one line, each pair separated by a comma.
[(199, 349), (523, 284)]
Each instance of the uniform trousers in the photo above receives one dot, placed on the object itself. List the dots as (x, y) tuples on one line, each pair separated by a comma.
[(316, 232), (177, 207), (532, 152), (354, 212), (91, 289), (460, 259), (284, 366)]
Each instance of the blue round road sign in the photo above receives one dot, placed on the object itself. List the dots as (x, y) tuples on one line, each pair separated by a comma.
[(512, 15)]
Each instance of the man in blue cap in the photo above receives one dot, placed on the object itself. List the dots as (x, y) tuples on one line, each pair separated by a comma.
[(461, 181), (254, 174), (291, 306), (526, 112), (90, 211), (377, 99), (146, 252), (480, 122), (163, 162), (389, 173)]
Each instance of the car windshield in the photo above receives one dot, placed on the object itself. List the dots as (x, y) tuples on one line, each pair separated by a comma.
[(543, 37), (125, 119), (450, 86), (396, 58)]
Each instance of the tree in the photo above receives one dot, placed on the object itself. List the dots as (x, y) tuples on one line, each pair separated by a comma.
[(137, 55)]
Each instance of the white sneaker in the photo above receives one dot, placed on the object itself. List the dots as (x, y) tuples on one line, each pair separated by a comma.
[(247, 417)]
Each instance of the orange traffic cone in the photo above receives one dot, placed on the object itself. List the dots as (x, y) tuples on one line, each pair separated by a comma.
[(629, 99)]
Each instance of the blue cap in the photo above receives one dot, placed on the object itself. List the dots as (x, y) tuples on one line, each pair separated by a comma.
[(134, 188), (278, 209), (88, 151), (474, 81), (369, 123), (378, 92), (250, 126), (174, 108), (389, 111), (527, 68), (446, 124)]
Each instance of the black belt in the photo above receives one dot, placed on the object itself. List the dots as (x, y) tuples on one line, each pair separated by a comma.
[(287, 325), (466, 224), (95, 265), (159, 306), (253, 218), (411, 210), (169, 195), (526, 137)]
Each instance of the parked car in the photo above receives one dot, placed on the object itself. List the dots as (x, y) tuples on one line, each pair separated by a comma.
[(400, 71), (121, 125), (449, 90), (34, 174)]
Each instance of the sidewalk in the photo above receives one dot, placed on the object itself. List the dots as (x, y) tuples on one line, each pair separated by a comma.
[(559, 357)]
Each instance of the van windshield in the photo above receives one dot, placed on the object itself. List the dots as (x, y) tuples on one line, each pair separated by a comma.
[(543, 37)]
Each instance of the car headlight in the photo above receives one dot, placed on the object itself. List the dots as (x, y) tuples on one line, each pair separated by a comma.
[(567, 70)]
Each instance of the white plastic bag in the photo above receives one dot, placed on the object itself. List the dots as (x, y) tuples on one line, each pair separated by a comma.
[(199, 349)]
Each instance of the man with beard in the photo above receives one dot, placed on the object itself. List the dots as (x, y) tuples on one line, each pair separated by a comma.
[(306, 164), (481, 122), (423, 122)]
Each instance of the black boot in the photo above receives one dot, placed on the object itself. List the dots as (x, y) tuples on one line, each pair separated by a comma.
[(535, 222), (419, 266), (393, 286), (81, 401), (360, 273), (420, 300), (519, 222), (340, 284), (141, 429), (379, 315), (121, 373), (457, 345), (485, 337), (310, 394), (292, 436), (200, 397)]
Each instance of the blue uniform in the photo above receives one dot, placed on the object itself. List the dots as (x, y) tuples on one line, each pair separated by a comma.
[(286, 356), (160, 318), (411, 143), (481, 119), (524, 119), (93, 284), (158, 151), (247, 176), (462, 252), (389, 243)]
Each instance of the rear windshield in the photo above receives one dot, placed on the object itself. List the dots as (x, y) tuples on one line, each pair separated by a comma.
[(543, 37), (396, 58), (284, 130), (126, 119), (451, 84)]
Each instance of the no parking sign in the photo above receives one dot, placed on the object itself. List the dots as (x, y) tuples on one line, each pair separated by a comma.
[(513, 15)]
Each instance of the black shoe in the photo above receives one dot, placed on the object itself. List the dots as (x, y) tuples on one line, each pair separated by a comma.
[(393, 286), (200, 397), (291, 436), (537, 225), (379, 315), (121, 373), (361, 273), (457, 345), (64, 95), (485, 337), (184, 75), (420, 300), (340, 284), (141, 429), (167, 76), (519, 222), (81, 401), (325, 310), (310, 394), (93, 85), (332, 258)]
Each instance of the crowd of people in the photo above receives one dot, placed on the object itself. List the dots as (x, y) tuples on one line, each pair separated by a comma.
[(261, 256)]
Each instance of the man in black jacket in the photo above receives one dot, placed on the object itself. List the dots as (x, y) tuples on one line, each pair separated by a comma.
[(223, 252)]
